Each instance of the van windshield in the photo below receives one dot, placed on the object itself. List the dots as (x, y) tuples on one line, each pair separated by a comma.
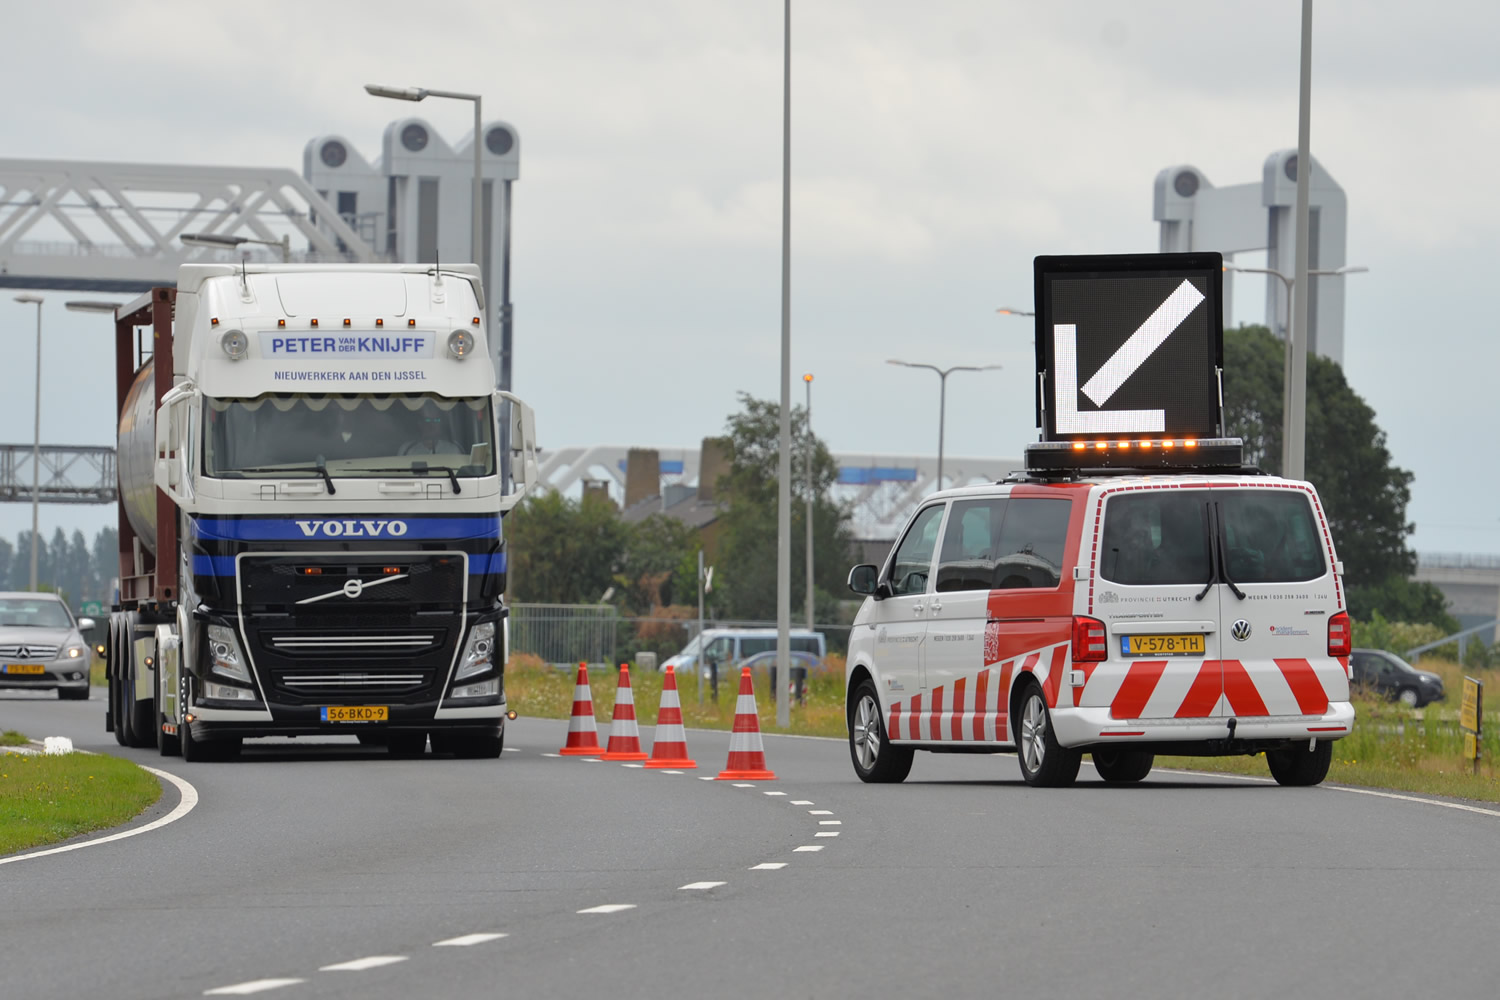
[(349, 435), (1161, 538)]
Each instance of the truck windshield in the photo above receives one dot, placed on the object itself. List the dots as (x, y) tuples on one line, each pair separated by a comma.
[(351, 436)]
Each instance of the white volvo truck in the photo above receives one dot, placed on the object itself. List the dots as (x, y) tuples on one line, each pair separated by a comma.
[(312, 485)]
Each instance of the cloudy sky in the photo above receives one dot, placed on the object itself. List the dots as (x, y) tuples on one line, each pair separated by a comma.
[(937, 147)]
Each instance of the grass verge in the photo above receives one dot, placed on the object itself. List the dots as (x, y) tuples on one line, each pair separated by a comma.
[(47, 799), (11, 738)]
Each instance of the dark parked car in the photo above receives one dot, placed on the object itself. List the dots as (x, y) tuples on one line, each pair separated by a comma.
[(1389, 675)]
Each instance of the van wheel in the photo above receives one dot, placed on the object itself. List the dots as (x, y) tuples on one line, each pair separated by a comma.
[(1121, 766), (1044, 762), (875, 759), (1296, 765)]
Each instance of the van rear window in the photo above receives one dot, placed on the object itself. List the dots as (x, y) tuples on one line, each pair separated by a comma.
[(1155, 538)]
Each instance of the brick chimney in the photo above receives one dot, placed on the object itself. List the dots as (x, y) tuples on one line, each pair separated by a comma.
[(713, 461), (642, 475)]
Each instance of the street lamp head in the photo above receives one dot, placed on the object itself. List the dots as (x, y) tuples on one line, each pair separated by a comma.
[(216, 240), (92, 305), (1007, 311), (396, 93), (30, 299), (807, 377)]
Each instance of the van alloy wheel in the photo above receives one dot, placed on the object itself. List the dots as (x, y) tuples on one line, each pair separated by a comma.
[(870, 750), (1034, 731), (867, 731), (1044, 762)]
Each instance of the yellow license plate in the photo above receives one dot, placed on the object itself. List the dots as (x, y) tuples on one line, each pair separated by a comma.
[(25, 668), (356, 713), (1162, 645)]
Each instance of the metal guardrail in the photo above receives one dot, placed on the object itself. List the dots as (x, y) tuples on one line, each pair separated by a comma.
[(565, 633), (1457, 560), (1461, 638)]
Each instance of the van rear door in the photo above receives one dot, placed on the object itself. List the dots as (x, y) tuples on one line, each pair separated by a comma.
[(1279, 592), (1157, 597)]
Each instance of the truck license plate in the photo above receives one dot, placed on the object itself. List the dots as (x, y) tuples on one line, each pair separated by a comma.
[(1161, 645), (356, 713), (25, 668)]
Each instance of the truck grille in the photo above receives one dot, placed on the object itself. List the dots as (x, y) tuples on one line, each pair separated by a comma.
[(344, 626)]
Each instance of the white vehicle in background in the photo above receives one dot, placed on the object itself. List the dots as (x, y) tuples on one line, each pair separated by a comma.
[(730, 647)]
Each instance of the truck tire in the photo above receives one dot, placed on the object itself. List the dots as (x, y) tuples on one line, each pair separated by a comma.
[(112, 661), (1121, 766), (1045, 763), (1297, 766)]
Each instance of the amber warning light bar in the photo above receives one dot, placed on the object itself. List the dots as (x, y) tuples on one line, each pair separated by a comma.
[(1144, 454)]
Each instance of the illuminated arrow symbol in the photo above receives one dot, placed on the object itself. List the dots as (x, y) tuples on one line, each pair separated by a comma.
[(1113, 374)]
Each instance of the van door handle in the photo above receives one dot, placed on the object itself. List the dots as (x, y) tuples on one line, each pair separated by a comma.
[(916, 609), (936, 608)]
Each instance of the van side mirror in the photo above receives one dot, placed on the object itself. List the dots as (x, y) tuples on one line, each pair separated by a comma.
[(862, 579)]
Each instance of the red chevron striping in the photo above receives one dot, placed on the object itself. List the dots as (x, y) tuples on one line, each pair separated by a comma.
[(958, 708), (1135, 689), (1204, 694), (1306, 688), (981, 707), (914, 720), (1002, 703), (893, 731), (1240, 690), (935, 715), (1055, 676)]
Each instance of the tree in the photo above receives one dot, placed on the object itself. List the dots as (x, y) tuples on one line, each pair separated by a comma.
[(658, 566), (746, 577), (563, 551), (1363, 493)]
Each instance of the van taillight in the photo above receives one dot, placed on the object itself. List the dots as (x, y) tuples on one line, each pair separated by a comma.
[(1340, 635), (1090, 642)]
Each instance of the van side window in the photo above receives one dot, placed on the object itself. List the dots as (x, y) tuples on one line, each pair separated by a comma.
[(1030, 548), (967, 560), (913, 557), (749, 647), (1156, 537)]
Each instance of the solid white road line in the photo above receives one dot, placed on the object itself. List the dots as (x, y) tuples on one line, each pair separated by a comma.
[(1461, 806), (609, 908), (253, 986), (807, 847), (768, 866), (361, 964), (820, 812), (189, 799), (465, 940), (701, 885)]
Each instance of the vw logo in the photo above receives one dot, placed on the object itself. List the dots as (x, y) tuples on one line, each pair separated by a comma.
[(353, 588), (1240, 630)]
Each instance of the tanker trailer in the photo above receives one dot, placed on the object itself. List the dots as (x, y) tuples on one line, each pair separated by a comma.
[(311, 498)]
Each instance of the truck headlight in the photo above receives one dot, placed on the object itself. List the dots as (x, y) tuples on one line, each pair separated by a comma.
[(227, 692), (479, 654), (483, 689), (224, 654)]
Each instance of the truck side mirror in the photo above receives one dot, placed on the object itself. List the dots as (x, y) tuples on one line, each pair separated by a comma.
[(862, 579), (523, 463)]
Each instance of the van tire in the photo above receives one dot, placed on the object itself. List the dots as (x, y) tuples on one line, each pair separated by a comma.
[(875, 759), (1122, 766), (1297, 766), (1044, 762)]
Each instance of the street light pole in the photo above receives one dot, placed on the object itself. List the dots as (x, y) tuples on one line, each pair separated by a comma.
[(1295, 445), (1287, 376), (943, 374), (808, 462), (36, 435), (784, 460)]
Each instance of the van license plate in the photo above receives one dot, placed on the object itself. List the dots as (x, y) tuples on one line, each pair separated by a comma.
[(25, 668), (356, 713), (1162, 645)]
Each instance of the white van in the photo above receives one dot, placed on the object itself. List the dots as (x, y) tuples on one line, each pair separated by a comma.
[(731, 646)]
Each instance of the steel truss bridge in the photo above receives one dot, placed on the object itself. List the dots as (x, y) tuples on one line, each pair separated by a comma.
[(69, 474)]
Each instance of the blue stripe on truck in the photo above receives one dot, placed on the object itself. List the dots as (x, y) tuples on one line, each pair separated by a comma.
[(224, 565), (245, 529)]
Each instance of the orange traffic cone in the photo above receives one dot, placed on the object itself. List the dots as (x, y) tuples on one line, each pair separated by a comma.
[(670, 747), (583, 734), (747, 756), (624, 734)]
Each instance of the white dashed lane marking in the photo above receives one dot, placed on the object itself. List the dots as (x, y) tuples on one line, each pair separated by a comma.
[(740, 784), (826, 833), (802, 802), (701, 885), (512, 749), (807, 847), (830, 822), (671, 772), (820, 812), (466, 940), (551, 755), (706, 777), (253, 986), (773, 793), (609, 908), (632, 765), (361, 964)]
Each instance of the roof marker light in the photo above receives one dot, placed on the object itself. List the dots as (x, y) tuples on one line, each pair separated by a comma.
[(476, 320), (1124, 445), (1146, 444), (281, 322), (411, 322), (214, 321), (346, 321), (1079, 446), (1190, 443), (314, 322), (380, 322), (1100, 445), (1166, 445)]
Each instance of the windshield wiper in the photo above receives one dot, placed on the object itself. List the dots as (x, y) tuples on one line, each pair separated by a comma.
[(1213, 548), (1224, 555), (321, 469), (421, 468)]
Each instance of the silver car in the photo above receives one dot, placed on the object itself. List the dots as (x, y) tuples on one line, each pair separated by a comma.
[(41, 646)]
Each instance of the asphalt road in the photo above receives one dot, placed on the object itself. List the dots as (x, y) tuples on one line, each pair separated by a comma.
[(960, 882)]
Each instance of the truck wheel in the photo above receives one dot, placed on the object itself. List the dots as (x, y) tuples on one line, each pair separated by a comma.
[(112, 662), (875, 760), (1044, 762), (1298, 766), (1121, 766), (469, 746)]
